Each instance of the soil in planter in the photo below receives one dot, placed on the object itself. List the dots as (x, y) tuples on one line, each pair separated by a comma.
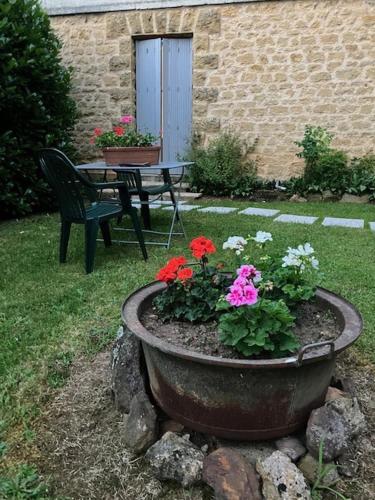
[(313, 324)]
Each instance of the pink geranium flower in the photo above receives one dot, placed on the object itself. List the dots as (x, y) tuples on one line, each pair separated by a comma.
[(127, 119), (250, 294), (235, 297)]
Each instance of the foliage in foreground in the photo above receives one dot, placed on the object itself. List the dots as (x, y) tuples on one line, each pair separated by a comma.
[(23, 484), (35, 107), (252, 307)]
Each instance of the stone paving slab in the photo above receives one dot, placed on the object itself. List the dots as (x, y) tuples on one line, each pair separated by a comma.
[(296, 219), (372, 226), (263, 212), (341, 222), (183, 208), (218, 210), (152, 205)]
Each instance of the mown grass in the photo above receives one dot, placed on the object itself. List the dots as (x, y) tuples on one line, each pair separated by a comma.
[(51, 313)]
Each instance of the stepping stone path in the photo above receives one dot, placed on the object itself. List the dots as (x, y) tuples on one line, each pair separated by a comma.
[(183, 208), (263, 212), (340, 222), (297, 219), (218, 210)]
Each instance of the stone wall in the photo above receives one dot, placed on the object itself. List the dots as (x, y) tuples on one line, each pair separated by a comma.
[(263, 69)]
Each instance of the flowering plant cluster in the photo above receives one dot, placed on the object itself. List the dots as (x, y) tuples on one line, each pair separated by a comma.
[(123, 134), (255, 306), (190, 295)]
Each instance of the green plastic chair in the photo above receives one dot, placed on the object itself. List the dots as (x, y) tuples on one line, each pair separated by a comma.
[(78, 203), (133, 180)]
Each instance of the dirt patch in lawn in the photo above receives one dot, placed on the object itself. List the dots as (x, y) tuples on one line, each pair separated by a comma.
[(313, 324), (81, 449), (80, 440)]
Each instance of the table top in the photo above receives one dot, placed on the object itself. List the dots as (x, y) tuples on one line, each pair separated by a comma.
[(165, 165)]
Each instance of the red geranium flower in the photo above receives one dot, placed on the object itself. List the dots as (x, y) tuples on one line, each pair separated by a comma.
[(201, 246), (175, 263), (98, 131), (185, 274), (118, 131), (166, 275)]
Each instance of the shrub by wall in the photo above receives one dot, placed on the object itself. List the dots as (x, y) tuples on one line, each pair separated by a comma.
[(35, 107)]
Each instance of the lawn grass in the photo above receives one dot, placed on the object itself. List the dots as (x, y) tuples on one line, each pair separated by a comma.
[(51, 313)]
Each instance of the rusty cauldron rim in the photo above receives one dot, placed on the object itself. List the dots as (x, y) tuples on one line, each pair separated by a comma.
[(347, 315)]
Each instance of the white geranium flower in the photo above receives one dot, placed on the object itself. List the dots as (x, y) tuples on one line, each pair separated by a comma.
[(302, 257), (262, 237), (236, 243)]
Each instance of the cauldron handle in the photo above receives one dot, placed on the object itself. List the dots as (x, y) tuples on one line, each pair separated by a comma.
[(316, 345)]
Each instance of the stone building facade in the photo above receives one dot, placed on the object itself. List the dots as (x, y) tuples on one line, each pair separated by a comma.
[(263, 69)]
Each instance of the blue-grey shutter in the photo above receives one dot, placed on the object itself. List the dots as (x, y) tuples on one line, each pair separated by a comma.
[(148, 85), (177, 96)]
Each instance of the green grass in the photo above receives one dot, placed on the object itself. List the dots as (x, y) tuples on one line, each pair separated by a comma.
[(50, 313)]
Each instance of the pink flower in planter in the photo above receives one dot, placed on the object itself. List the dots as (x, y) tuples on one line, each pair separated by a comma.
[(250, 294), (235, 297), (247, 271), (127, 119)]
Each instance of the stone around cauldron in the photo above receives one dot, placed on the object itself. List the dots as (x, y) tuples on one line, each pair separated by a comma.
[(309, 467), (231, 476), (176, 458), (336, 424), (281, 479), (127, 377), (291, 447), (141, 425)]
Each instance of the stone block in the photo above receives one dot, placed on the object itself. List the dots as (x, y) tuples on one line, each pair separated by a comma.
[(341, 222), (207, 61), (218, 210), (262, 212), (296, 219), (116, 25), (209, 21), (174, 20), (206, 94), (148, 22)]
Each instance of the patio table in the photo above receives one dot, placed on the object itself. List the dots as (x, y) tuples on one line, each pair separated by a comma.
[(175, 169)]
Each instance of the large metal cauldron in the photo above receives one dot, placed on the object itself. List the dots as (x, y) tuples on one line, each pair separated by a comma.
[(235, 398)]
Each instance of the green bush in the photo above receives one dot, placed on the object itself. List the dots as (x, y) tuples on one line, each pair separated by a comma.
[(35, 107), (223, 168), (330, 169)]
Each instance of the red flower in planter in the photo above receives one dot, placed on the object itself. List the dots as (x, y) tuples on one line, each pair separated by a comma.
[(169, 272), (185, 274), (118, 131), (98, 131), (201, 246), (176, 262), (166, 275)]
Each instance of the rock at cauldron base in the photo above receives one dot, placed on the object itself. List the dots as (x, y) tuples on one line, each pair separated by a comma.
[(141, 425), (335, 393), (171, 426), (309, 467), (127, 378), (281, 479), (231, 476), (327, 425), (291, 447), (174, 457), (351, 413), (250, 451), (335, 423)]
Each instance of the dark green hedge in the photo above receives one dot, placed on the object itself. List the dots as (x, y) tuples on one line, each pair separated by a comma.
[(35, 107)]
